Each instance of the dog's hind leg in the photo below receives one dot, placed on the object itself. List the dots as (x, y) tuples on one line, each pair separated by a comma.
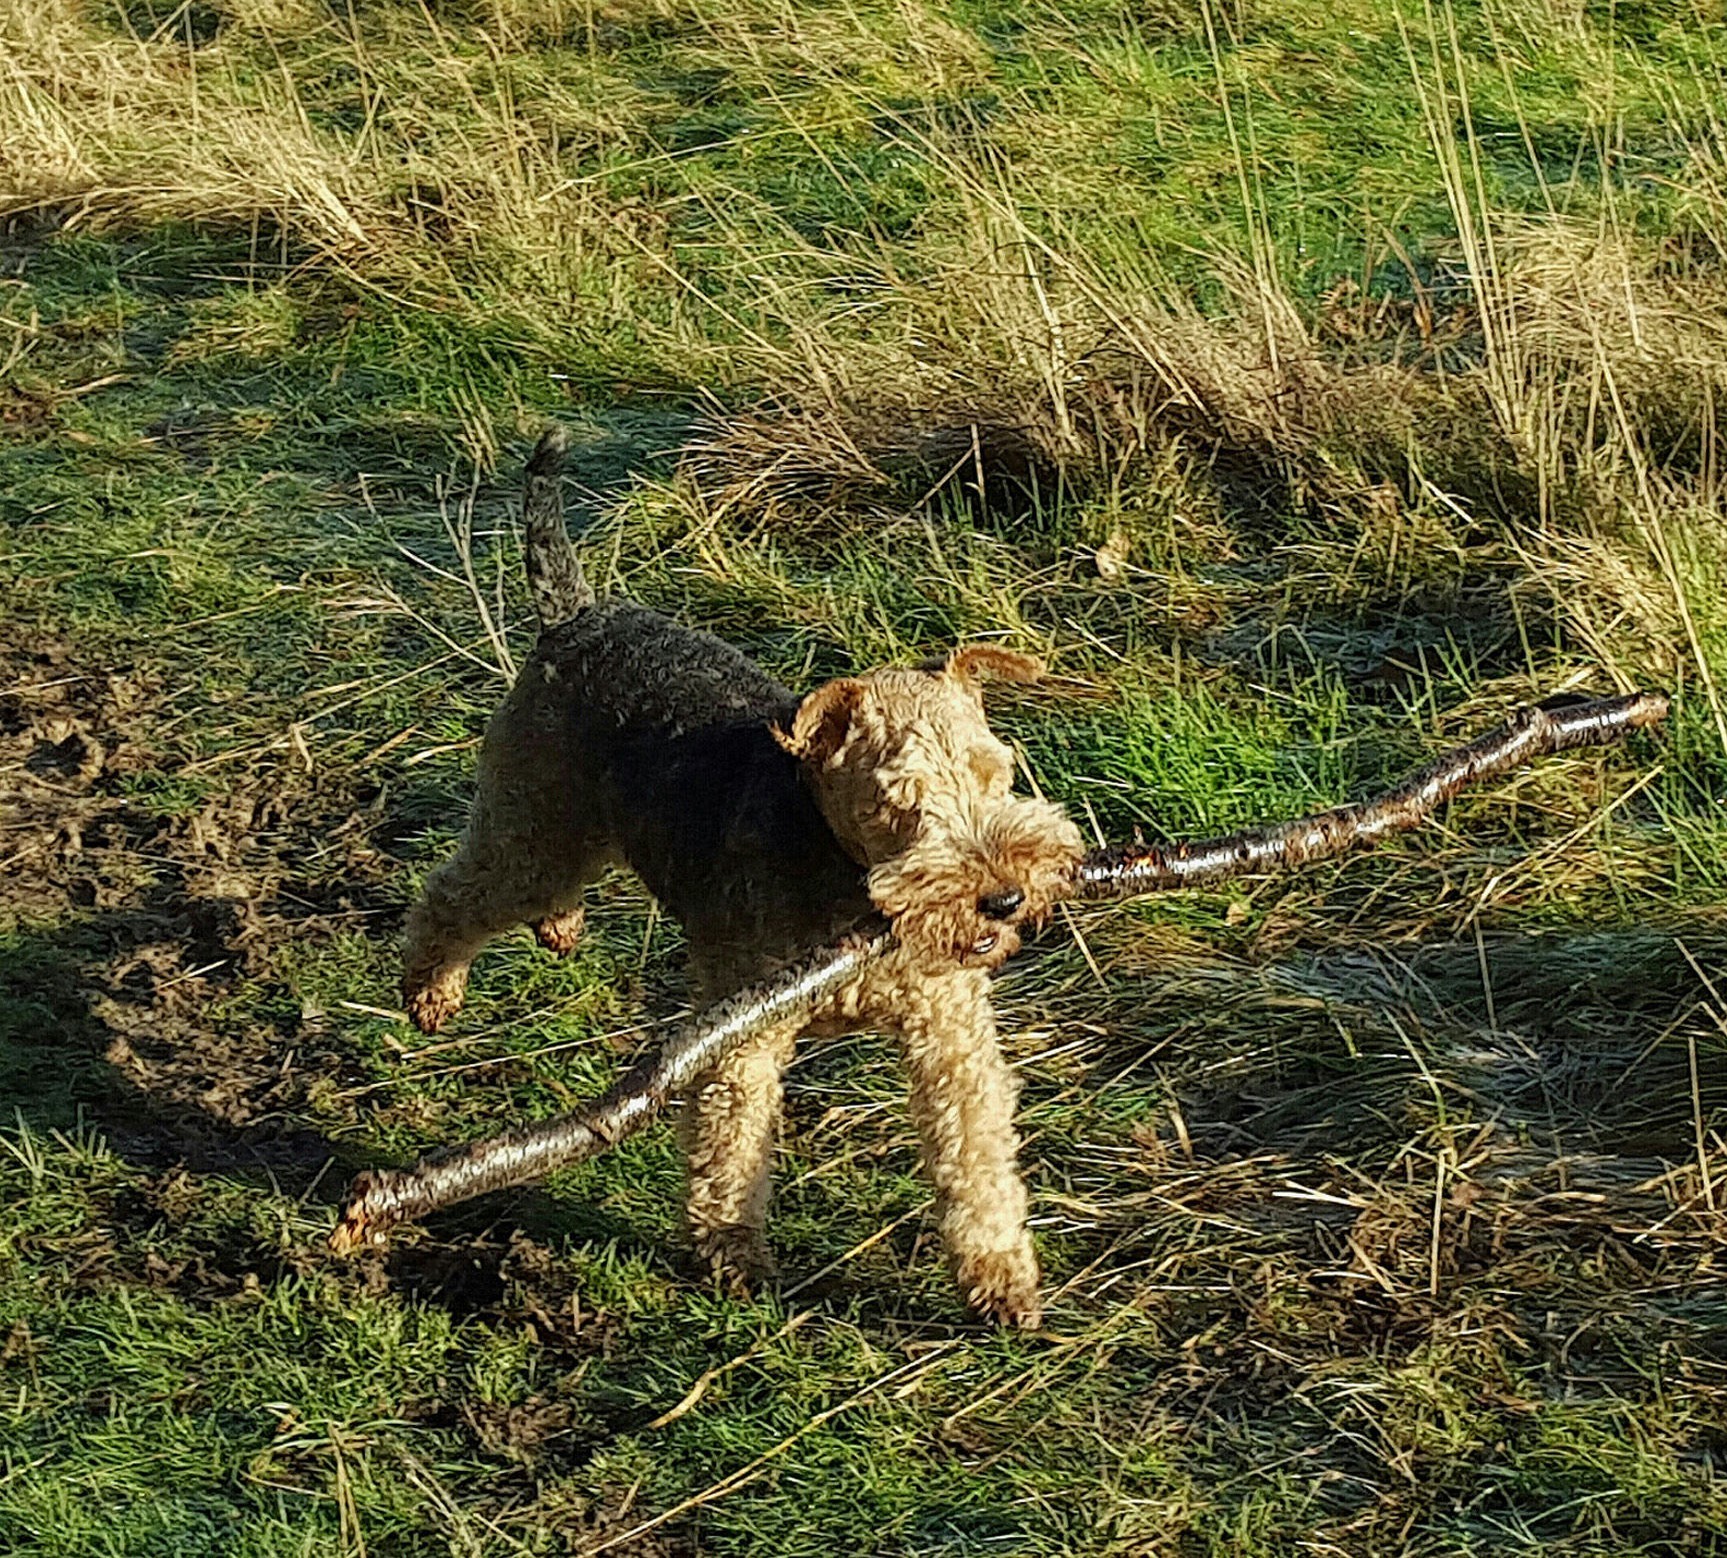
[(560, 932), (496, 880)]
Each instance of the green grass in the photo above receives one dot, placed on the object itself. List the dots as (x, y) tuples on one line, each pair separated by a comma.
[(1307, 382)]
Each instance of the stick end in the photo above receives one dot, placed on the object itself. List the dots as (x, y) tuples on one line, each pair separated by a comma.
[(348, 1235), (1648, 708), (353, 1232), (363, 1222), (1577, 721)]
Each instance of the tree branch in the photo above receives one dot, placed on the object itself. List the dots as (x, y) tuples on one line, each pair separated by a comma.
[(1129, 870), (378, 1199)]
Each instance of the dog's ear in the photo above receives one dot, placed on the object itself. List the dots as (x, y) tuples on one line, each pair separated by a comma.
[(976, 661), (819, 727)]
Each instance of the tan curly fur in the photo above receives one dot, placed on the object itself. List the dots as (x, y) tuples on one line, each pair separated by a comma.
[(766, 823)]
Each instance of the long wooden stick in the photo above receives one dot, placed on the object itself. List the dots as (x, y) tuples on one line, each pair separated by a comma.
[(379, 1199), (1131, 870)]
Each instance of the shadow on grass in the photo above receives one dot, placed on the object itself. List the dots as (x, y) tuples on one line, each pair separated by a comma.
[(1581, 1039), (213, 349), (158, 1022), (146, 985)]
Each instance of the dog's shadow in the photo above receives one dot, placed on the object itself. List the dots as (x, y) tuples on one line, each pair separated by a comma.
[(156, 1030)]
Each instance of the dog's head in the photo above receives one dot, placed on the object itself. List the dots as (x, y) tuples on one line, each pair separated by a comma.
[(917, 788)]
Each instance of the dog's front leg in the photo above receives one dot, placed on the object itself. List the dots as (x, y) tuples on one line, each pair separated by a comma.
[(730, 1122), (962, 1098)]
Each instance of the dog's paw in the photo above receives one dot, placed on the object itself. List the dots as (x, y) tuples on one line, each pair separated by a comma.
[(432, 1003), (1002, 1286), (736, 1257), (560, 933)]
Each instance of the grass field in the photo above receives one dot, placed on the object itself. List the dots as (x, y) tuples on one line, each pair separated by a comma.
[(1309, 380)]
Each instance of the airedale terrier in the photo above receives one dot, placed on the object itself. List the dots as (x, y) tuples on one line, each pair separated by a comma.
[(767, 823)]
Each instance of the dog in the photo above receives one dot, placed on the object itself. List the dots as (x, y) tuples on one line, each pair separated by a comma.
[(768, 823)]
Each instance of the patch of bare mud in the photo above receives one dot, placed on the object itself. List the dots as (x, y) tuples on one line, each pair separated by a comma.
[(150, 912)]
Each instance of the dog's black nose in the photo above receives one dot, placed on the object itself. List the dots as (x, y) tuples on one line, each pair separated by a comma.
[(1000, 906)]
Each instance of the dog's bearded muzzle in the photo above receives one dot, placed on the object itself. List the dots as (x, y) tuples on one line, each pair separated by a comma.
[(968, 894)]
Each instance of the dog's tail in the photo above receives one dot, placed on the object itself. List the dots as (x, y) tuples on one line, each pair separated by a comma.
[(555, 578)]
